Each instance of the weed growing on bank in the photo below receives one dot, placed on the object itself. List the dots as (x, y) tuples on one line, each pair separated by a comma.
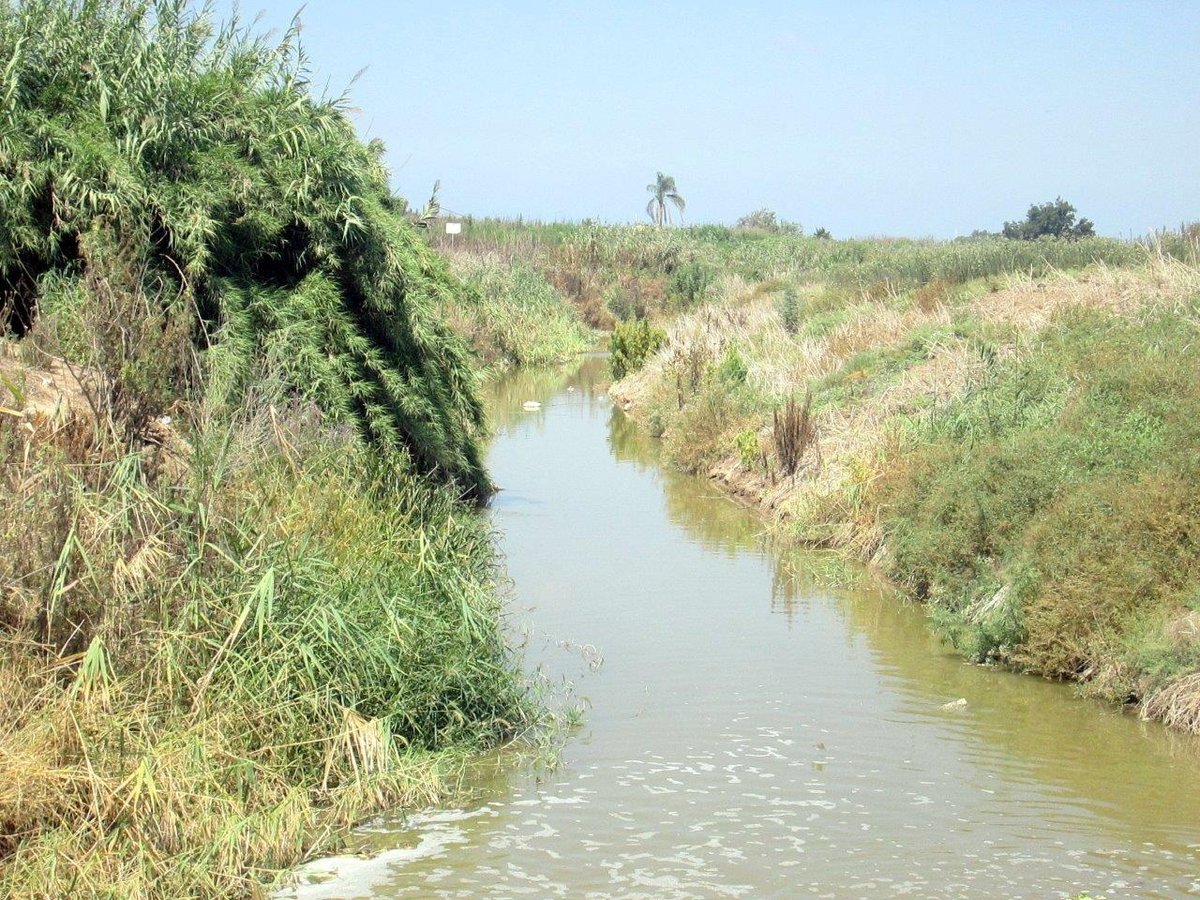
[(631, 342)]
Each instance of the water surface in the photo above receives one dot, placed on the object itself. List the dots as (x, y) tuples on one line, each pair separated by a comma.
[(749, 733)]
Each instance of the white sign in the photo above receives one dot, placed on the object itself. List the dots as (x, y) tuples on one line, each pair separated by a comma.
[(454, 228)]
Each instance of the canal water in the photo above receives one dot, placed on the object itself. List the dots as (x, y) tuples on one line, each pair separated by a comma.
[(750, 733)]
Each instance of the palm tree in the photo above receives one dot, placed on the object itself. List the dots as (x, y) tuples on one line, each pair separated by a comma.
[(663, 190)]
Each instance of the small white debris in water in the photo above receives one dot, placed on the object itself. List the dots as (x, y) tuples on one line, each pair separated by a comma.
[(531, 405), (960, 703), (571, 389)]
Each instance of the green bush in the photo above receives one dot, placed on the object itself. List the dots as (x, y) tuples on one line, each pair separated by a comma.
[(749, 449), (732, 370), (791, 310), (631, 343), (690, 283)]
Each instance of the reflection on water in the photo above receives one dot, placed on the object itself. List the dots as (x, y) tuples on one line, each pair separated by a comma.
[(751, 734)]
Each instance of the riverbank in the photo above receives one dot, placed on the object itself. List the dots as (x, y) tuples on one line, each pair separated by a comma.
[(221, 653), (247, 593), (1016, 452)]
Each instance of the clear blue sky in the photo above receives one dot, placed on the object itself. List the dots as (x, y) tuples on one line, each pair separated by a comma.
[(929, 118)]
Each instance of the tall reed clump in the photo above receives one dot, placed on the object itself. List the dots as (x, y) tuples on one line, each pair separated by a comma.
[(207, 679), (247, 200)]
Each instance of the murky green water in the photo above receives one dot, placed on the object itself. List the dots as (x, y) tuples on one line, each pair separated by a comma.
[(751, 734)]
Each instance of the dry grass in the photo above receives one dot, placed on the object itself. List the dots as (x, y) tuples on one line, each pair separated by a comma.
[(1176, 704), (1031, 304), (793, 434)]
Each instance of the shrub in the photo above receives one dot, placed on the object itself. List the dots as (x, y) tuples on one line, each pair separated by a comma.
[(690, 283), (791, 310), (749, 449), (764, 219), (631, 343), (732, 371)]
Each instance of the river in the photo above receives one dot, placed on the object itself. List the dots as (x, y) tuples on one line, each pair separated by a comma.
[(751, 733)]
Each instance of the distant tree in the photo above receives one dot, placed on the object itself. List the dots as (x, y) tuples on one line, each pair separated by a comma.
[(764, 220), (761, 220), (822, 234), (1054, 219), (663, 191)]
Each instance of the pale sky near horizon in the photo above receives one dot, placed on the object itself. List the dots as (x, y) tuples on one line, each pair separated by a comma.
[(901, 118)]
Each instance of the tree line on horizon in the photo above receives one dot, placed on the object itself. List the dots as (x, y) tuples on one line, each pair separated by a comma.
[(1056, 218)]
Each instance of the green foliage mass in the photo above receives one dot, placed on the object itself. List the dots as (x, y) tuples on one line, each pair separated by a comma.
[(201, 151), (1055, 219), (764, 219), (791, 310), (732, 370), (631, 343), (749, 449)]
